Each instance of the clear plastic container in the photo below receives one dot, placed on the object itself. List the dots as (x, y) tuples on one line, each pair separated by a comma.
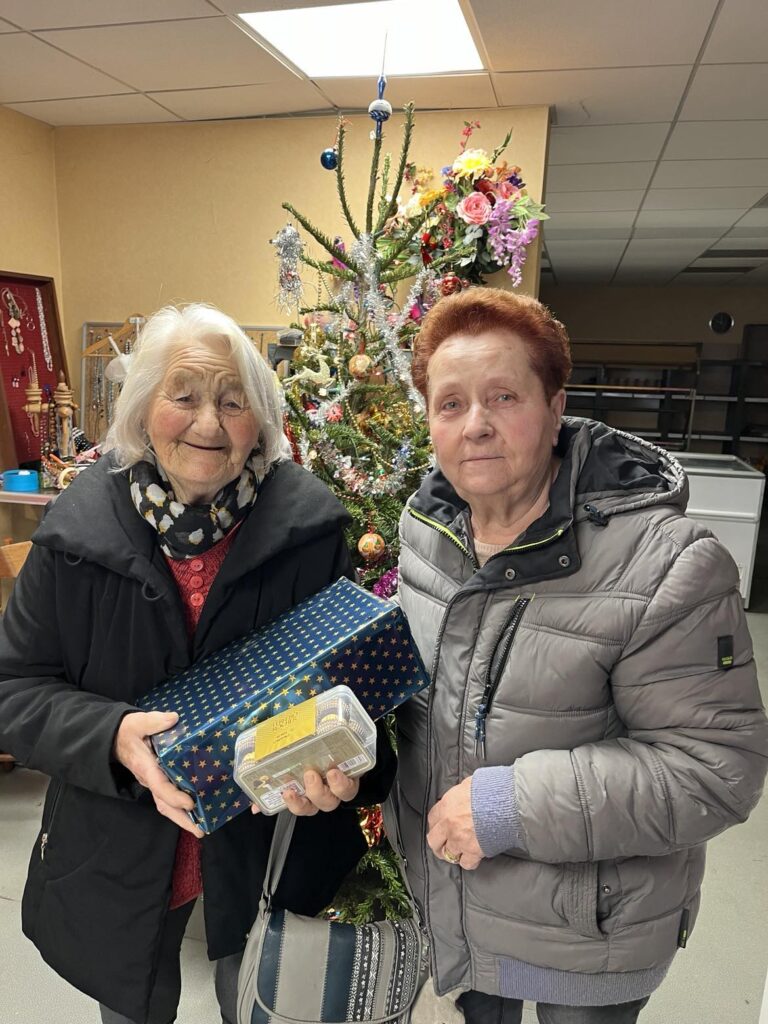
[(331, 730)]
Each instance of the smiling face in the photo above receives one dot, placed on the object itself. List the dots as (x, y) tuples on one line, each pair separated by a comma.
[(200, 423), (491, 423)]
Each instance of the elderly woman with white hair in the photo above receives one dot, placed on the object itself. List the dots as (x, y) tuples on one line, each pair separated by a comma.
[(192, 531)]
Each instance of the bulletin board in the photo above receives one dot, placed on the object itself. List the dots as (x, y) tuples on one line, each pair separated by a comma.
[(30, 341)]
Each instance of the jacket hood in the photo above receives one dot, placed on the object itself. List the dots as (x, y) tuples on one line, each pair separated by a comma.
[(606, 469), (95, 519)]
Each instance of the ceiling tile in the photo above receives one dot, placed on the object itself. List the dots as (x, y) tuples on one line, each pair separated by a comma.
[(440, 92), (711, 174), (591, 275), (668, 251), (712, 140), (740, 33), (588, 250), (606, 142), (677, 231), (684, 218), (720, 91), (33, 71), (250, 6), (242, 100), (195, 54), (561, 34), (131, 109), (734, 241), (747, 231), (706, 280), (754, 219), (724, 264), (594, 202), (702, 198), (41, 14), (598, 177), (597, 96)]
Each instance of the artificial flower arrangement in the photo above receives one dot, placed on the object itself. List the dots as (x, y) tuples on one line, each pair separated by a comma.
[(480, 220)]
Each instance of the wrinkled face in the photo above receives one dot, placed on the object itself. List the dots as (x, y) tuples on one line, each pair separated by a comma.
[(492, 426), (200, 423)]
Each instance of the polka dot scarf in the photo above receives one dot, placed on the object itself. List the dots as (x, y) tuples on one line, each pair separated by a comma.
[(186, 530)]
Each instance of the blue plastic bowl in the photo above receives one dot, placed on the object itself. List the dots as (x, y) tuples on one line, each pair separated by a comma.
[(25, 481)]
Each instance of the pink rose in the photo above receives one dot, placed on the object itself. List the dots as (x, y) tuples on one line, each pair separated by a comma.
[(474, 208), (508, 191)]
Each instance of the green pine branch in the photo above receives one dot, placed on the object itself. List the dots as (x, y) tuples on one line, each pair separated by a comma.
[(403, 244), (341, 183), (329, 268), (324, 240), (391, 208), (399, 273), (383, 200), (372, 183)]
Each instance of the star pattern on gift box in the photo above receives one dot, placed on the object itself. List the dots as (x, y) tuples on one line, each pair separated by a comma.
[(343, 634)]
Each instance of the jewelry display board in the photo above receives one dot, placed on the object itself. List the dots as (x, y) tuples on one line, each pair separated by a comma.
[(97, 393), (30, 349)]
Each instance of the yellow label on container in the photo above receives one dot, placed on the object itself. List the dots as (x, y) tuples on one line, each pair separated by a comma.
[(288, 727)]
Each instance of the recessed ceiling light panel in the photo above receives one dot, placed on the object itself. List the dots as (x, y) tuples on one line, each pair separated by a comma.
[(425, 37)]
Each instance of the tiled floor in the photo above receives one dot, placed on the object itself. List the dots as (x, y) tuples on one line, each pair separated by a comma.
[(718, 979)]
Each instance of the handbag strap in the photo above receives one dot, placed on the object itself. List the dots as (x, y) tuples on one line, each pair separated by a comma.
[(281, 841), (278, 853)]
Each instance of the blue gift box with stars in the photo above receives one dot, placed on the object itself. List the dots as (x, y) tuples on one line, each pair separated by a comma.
[(343, 634)]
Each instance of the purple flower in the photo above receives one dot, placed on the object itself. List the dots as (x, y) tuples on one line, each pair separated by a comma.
[(507, 243)]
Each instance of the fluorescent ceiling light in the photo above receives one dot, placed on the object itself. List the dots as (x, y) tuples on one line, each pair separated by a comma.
[(423, 37)]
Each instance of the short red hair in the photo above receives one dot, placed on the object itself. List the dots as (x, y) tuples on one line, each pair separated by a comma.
[(479, 310)]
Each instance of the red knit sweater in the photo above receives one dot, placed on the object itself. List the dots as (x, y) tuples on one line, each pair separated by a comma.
[(194, 577)]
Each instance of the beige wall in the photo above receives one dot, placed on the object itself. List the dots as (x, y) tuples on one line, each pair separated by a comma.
[(151, 214), (675, 313), (29, 229)]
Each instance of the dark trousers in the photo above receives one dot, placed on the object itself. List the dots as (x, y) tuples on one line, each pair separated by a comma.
[(164, 1000), (480, 1008)]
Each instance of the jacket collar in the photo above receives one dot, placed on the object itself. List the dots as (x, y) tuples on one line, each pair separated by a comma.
[(95, 519), (603, 472)]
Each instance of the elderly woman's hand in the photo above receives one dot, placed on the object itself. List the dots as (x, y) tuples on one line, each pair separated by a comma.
[(451, 834), (321, 794), (133, 750)]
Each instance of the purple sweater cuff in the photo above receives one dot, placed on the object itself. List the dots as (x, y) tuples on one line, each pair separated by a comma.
[(495, 812)]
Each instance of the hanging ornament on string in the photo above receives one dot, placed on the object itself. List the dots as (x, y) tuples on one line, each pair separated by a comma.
[(289, 248), (381, 110), (329, 158), (371, 545)]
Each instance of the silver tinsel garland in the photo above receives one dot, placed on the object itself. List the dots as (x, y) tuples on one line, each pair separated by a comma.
[(289, 248)]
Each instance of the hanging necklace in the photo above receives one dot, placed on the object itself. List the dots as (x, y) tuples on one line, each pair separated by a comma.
[(44, 331), (14, 319)]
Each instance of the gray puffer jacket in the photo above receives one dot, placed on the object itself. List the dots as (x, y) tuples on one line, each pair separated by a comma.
[(606, 656)]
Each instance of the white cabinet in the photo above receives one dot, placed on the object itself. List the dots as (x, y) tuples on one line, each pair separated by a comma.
[(726, 496)]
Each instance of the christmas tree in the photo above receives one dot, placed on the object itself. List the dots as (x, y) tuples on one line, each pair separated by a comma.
[(353, 415)]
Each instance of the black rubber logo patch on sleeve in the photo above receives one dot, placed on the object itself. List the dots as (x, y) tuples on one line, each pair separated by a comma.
[(725, 652)]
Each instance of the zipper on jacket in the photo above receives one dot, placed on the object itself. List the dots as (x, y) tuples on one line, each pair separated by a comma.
[(492, 679), (45, 835), (445, 532)]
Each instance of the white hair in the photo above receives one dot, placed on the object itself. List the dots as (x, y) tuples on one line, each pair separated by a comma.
[(204, 324)]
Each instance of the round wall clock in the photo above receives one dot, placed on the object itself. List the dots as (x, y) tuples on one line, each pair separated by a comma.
[(721, 323)]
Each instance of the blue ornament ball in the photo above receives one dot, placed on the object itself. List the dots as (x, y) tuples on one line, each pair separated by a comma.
[(329, 158)]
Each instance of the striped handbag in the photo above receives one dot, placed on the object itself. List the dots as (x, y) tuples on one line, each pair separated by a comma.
[(306, 970)]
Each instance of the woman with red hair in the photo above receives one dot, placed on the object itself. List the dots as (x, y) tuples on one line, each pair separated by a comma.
[(594, 716)]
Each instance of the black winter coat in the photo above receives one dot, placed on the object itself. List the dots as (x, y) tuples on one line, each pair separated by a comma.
[(94, 622)]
